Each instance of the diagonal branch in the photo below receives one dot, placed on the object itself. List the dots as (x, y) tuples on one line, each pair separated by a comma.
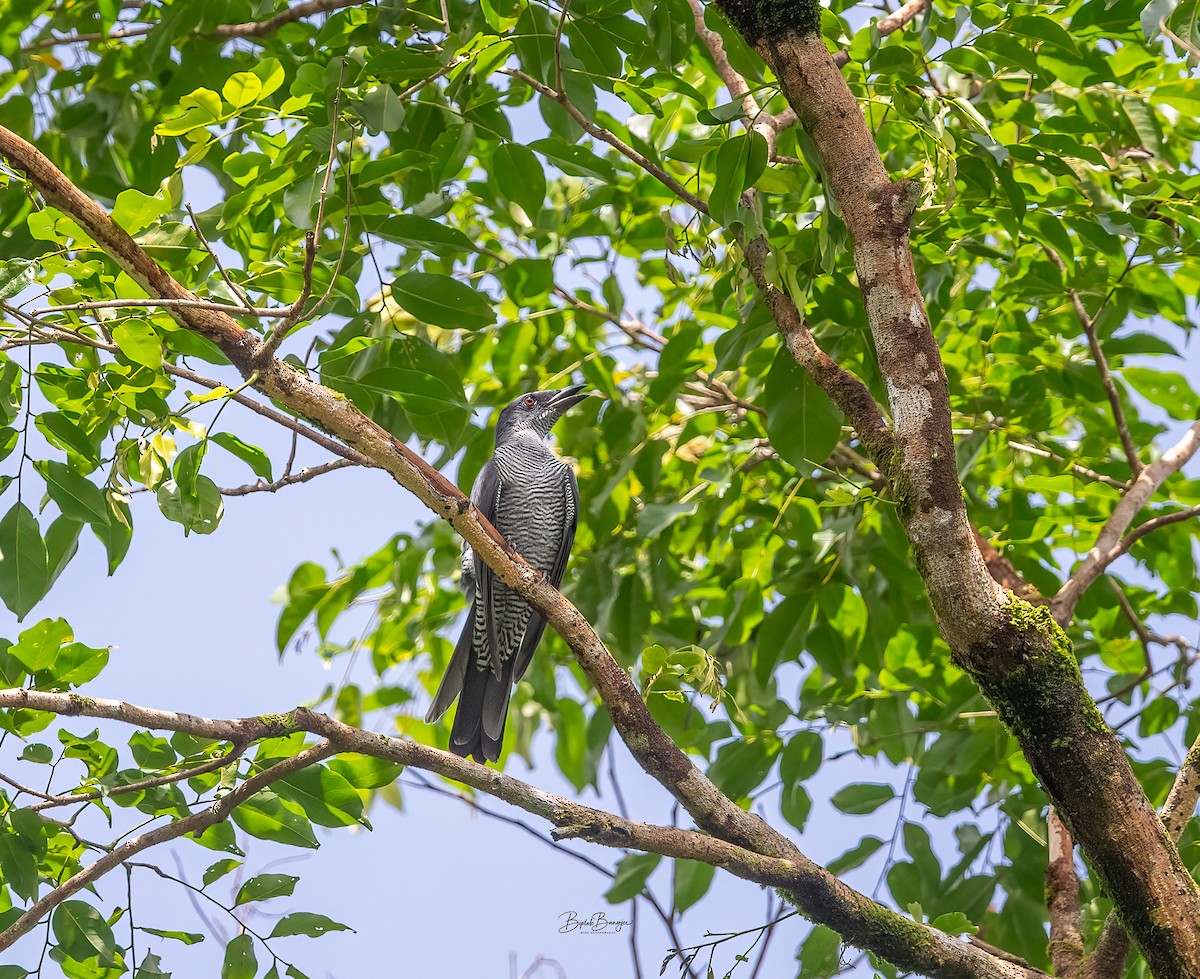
[(611, 139), (819, 895), (1106, 378), (658, 755), (1107, 960), (1112, 540)]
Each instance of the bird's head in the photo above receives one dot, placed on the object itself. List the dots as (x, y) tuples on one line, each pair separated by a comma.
[(537, 411)]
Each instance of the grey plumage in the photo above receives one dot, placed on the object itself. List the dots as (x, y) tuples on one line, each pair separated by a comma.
[(531, 498)]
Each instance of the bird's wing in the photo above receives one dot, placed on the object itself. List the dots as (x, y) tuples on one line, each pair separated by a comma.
[(486, 496), (537, 624)]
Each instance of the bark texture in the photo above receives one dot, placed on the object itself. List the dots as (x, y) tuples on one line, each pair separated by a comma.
[(1019, 656)]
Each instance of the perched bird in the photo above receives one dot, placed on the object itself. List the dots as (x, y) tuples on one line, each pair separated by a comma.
[(531, 497)]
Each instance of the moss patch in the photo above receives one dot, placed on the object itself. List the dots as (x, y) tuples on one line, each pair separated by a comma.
[(770, 20)]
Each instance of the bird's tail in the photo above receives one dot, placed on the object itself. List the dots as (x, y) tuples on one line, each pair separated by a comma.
[(478, 730), (452, 682)]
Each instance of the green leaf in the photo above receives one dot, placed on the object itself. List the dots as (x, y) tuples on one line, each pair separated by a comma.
[(306, 923), (862, 798), (24, 574), (692, 880), (219, 869), (243, 88), (856, 856), (1168, 390), (802, 422), (258, 461), (187, 937), (200, 511), (575, 160), (739, 162), (442, 301), (139, 342), (520, 178), (324, 795), (266, 818), (266, 886), (82, 932), (135, 211), (239, 961), (150, 751), (78, 498), (801, 757), (419, 232), (64, 433), (955, 923), (632, 873), (821, 953), (151, 968), (15, 275), (365, 771), (38, 646), (18, 866), (76, 664)]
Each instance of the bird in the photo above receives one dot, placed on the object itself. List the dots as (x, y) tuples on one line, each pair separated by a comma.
[(531, 497)]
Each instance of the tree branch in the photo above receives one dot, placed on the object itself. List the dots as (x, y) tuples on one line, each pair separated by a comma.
[(658, 755), (51, 801), (1016, 653), (196, 823), (1110, 543), (886, 25), (611, 139), (1107, 960), (1062, 901), (1106, 378), (292, 479), (817, 893)]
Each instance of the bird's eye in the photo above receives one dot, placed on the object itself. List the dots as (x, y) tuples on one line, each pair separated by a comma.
[(530, 401)]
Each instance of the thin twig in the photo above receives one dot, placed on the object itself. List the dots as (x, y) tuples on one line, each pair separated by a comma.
[(233, 286), (195, 823), (291, 479), (212, 765), (1106, 378), (1035, 450), (312, 239), (212, 307), (610, 138)]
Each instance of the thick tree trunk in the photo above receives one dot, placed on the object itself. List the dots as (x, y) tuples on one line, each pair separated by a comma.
[(1019, 656)]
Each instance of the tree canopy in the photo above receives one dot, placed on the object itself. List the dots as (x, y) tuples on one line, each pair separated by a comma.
[(886, 307)]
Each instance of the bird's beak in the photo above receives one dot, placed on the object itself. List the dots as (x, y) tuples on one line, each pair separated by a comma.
[(567, 398)]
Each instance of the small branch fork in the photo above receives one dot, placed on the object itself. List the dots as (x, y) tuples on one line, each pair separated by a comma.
[(1113, 541), (810, 885)]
